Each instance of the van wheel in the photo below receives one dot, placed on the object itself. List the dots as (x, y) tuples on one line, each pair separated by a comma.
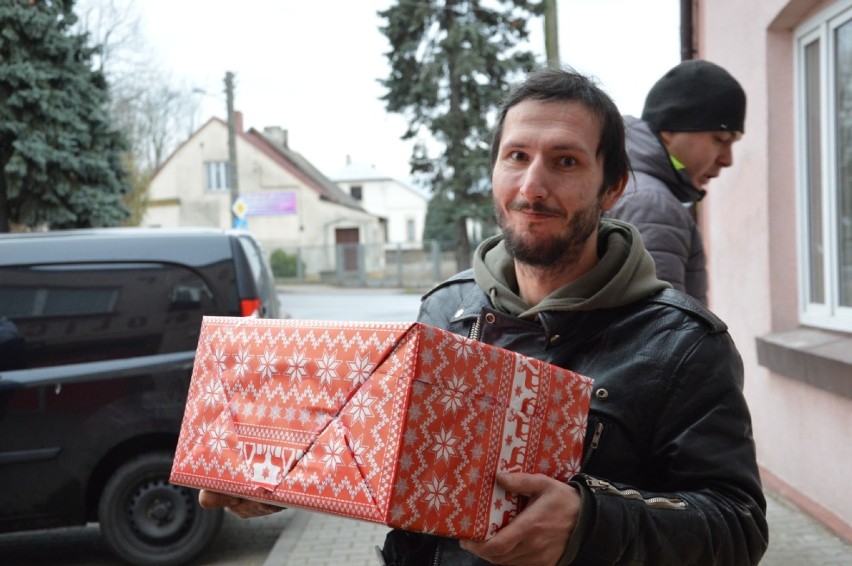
[(147, 521)]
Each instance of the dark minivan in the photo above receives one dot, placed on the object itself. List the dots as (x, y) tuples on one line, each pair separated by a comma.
[(98, 330)]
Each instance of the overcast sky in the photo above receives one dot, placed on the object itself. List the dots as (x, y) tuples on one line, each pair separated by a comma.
[(312, 67)]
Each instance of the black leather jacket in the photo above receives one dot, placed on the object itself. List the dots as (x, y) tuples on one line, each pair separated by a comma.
[(669, 472)]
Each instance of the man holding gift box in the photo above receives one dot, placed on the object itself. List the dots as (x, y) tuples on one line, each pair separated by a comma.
[(669, 474)]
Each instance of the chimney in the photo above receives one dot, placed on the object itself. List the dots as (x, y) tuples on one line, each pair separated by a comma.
[(277, 134), (238, 121)]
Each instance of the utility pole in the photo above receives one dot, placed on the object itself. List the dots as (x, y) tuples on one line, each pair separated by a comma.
[(232, 146), (551, 34), (686, 49)]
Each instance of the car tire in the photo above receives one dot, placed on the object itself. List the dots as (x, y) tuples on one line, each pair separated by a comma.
[(148, 521)]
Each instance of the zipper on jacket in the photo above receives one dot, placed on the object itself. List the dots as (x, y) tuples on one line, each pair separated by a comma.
[(474, 330), (656, 502), (593, 445), (436, 559)]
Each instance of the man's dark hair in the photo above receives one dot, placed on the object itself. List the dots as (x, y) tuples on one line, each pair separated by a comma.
[(569, 86)]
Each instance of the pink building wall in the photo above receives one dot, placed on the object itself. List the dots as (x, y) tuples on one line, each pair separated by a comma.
[(803, 432)]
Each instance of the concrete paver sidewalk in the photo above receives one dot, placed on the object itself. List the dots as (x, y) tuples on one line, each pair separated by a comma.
[(318, 539)]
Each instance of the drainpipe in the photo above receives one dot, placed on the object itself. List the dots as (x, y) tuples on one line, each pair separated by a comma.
[(686, 45)]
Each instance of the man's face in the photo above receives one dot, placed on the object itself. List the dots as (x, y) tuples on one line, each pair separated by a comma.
[(547, 181), (703, 153)]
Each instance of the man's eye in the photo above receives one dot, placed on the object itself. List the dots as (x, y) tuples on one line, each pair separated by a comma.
[(517, 156), (567, 161)]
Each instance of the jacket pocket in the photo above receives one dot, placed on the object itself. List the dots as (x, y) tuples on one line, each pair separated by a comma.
[(594, 436)]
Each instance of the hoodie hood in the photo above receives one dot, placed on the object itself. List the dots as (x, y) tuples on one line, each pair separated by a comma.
[(624, 274), (648, 155)]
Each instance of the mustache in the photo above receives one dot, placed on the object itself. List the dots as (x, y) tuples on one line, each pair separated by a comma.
[(539, 207)]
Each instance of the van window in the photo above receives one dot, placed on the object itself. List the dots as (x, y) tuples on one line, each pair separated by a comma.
[(262, 276), (76, 313)]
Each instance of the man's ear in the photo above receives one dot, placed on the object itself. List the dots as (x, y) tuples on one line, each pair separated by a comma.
[(613, 193)]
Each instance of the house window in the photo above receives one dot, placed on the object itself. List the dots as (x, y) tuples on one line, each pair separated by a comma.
[(216, 176), (355, 191), (409, 230), (824, 142)]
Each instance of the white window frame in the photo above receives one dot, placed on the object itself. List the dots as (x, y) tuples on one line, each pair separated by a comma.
[(821, 27), (216, 177)]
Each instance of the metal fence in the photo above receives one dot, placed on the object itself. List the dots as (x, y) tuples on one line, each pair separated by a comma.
[(360, 265)]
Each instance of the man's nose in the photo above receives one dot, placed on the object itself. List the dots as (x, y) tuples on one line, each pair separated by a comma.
[(533, 184), (726, 157)]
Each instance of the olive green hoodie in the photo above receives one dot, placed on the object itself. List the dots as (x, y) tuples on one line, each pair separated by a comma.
[(624, 273)]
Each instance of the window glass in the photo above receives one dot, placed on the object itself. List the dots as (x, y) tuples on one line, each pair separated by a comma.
[(89, 312), (824, 142), (814, 173), (843, 105), (216, 176), (262, 276)]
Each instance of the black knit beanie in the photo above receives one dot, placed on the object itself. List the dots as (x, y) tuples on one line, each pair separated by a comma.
[(696, 96)]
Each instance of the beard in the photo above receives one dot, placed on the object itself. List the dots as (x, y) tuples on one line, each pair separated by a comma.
[(556, 250)]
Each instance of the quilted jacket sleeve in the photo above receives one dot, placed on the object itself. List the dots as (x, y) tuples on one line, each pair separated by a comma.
[(668, 232)]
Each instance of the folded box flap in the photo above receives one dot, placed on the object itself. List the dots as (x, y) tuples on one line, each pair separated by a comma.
[(299, 402), (357, 452)]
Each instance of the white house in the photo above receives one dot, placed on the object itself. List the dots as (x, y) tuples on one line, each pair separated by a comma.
[(286, 202), (401, 206)]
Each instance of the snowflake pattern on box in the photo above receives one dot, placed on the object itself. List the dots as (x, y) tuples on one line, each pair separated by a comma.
[(397, 423)]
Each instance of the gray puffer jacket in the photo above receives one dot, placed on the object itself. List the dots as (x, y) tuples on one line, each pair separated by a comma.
[(657, 201)]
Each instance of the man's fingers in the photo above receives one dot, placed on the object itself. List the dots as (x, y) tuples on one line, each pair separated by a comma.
[(522, 483), (214, 500), (244, 508)]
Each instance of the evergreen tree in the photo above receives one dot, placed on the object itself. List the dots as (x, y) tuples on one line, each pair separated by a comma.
[(60, 158), (452, 62)]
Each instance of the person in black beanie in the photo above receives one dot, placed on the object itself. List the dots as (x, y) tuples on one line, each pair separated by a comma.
[(692, 117)]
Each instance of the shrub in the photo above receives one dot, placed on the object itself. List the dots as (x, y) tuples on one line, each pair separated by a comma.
[(283, 264)]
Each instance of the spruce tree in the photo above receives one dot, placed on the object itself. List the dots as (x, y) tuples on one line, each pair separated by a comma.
[(452, 62), (60, 157)]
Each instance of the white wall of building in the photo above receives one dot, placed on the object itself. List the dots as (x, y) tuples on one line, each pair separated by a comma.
[(401, 205)]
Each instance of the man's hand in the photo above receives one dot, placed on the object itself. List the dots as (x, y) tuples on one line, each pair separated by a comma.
[(243, 508), (538, 535)]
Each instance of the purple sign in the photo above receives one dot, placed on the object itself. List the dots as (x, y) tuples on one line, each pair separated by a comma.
[(272, 203)]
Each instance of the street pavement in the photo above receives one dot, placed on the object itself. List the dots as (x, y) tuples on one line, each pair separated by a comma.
[(296, 537), (318, 539)]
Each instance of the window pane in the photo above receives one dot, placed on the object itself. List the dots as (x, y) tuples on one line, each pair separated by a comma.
[(843, 70), (816, 249), (216, 176), (219, 180)]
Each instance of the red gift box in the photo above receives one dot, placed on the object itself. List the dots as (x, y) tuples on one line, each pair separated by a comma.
[(397, 423)]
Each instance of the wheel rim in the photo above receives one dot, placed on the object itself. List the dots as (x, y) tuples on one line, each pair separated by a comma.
[(159, 511)]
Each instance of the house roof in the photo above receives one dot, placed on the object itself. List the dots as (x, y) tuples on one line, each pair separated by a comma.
[(355, 172), (296, 164), (290, 160)]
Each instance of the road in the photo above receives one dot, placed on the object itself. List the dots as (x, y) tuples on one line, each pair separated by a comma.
[(331, 303)]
